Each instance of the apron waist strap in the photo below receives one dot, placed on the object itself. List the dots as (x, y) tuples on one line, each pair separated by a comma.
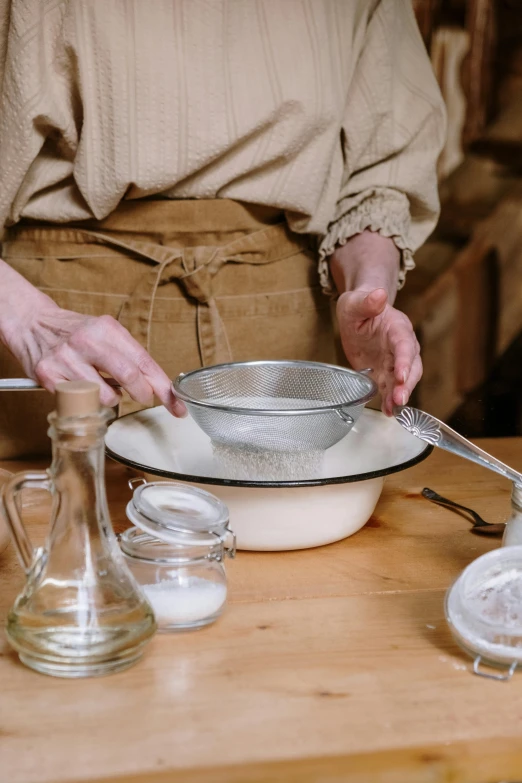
[(193, 266)]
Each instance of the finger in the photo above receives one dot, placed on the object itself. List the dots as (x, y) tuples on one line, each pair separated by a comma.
[(362, 305), (65, 365), (50, 376), (109, 396), (415, 374), (74, 367), (402, 393), (406, 365), (405, 348), (111, 349), (126, 372), (389, 390), (403, 345), (387, 404), (159, 382)]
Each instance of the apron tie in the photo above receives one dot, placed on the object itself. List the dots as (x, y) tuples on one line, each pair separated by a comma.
[(194, 268), (201, 265)]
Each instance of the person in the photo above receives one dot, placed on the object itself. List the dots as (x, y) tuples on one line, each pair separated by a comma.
[(183, 182)]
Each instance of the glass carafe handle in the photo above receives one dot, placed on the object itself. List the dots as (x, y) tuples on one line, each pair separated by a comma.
[(11, 507)]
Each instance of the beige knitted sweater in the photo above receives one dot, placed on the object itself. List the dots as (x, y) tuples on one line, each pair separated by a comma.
[(327, 109)]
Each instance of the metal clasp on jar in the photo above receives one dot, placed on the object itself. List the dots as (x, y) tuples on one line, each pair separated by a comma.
[(227, 547), (132, 482)]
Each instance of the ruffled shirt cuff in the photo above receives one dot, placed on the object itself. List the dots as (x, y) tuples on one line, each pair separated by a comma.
[(381, 210)]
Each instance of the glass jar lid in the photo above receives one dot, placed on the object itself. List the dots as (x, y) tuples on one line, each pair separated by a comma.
[(178, 513), (150, 549), (484, 609)]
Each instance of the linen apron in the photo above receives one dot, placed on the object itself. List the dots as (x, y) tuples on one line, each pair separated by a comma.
[(196, 282)]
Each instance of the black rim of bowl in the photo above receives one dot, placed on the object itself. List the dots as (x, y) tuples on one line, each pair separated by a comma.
[(223, 482)]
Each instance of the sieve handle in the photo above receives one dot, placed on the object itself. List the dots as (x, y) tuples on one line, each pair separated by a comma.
[(18, 384), (27, 384), (347, 419)]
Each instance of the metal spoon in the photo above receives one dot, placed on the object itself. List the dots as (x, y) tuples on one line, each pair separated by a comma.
[(435, 432), (479, 525)]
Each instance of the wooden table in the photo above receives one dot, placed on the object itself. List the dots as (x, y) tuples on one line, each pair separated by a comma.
[(329, 665)]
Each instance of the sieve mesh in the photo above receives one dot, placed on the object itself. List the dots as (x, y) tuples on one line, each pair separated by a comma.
[(275, 406)]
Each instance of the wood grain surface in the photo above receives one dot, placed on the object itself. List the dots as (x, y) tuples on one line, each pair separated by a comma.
[(329, 664)]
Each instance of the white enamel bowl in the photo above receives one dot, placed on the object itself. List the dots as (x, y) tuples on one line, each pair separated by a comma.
[(274, 515)]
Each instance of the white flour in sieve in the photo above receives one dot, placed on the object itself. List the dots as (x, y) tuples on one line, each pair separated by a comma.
[(245, 464), (266, 402), (185, 603)]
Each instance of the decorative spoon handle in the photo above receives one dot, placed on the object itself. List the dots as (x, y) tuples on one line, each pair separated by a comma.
[(435, 432)]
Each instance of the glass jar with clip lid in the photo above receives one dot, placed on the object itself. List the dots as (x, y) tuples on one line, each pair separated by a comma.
[(484, 605), (176, 550)]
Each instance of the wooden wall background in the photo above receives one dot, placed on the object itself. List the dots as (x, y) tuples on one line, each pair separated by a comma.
[(465, 298)]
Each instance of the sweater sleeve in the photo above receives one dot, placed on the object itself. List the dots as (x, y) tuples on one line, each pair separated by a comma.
[(393, 131), (5, 16)]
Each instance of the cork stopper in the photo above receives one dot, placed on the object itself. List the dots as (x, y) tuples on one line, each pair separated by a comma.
[(77, 398)]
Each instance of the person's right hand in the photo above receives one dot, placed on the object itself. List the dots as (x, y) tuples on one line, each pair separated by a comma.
[(374, 334), (53, 345)]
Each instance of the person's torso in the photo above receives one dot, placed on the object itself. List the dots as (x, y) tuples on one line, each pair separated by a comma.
[(109, 100)]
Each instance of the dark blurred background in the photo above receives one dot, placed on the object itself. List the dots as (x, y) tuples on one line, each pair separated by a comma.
[(465, 298)]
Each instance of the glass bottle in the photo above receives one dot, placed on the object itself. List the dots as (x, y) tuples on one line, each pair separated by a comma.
[(4, 533), (81, 612), (513, 530)]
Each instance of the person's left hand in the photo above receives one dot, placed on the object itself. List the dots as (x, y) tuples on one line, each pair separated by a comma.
[(375, 335)]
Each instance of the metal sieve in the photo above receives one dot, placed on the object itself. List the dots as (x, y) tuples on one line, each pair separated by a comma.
[(284, 406)]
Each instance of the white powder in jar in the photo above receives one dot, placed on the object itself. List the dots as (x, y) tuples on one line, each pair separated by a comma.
[(185, 603), (487, 615), (499, 600)]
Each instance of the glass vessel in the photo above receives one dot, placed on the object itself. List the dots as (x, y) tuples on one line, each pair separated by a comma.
[(513, 530), (81, 612), (4, 533), (176, 550), (484, 611)]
